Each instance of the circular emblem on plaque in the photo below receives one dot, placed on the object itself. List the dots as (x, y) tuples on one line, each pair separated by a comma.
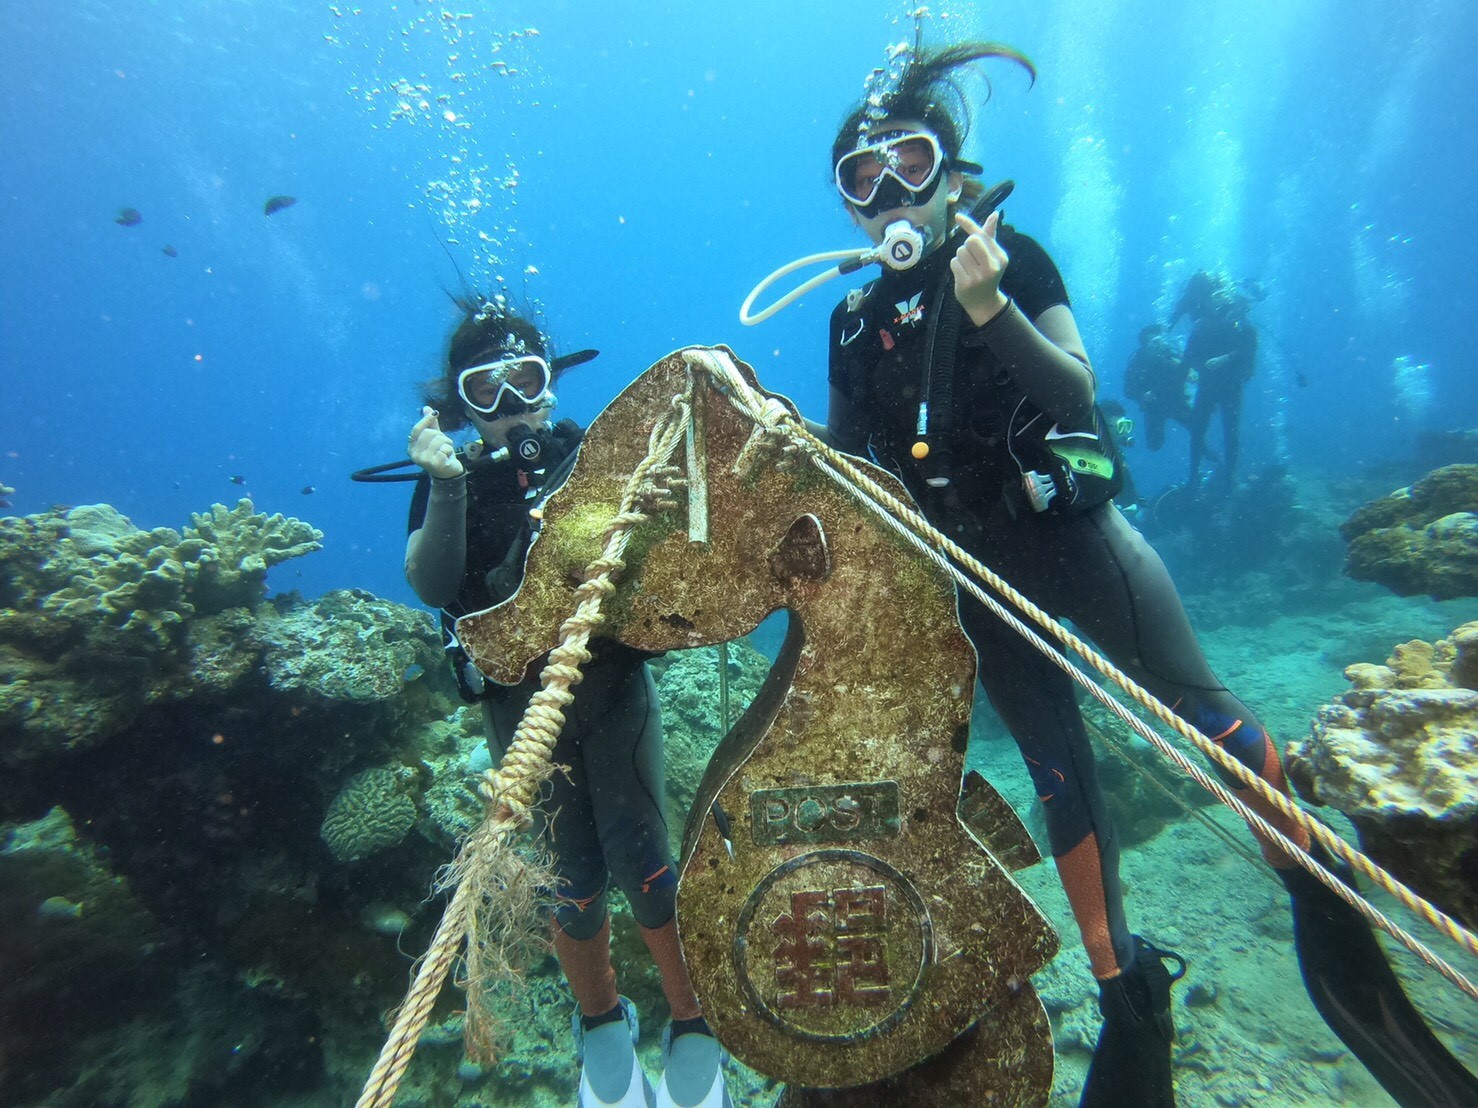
[(832, 945)]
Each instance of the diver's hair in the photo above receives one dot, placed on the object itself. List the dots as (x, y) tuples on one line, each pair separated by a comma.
[(927, 90), (490, 328)]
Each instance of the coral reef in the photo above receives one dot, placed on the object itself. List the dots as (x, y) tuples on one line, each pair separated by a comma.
[(96, 615), (88, 572), (1420, 540), (1262, 549), (96, 981), (192, 774), (171, 742), (688, 690), (371, 813), (1398, 755)]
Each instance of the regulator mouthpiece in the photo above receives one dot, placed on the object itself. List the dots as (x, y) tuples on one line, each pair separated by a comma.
[(902, 246)]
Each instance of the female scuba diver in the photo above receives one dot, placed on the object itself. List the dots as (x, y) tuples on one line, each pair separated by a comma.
[(470, 528), (962, 371)]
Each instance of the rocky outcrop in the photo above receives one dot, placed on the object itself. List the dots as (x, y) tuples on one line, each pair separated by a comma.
[(1398, 755), (1419, 540)]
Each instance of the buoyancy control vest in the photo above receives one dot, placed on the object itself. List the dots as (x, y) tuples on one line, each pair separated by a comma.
[(989, 441)]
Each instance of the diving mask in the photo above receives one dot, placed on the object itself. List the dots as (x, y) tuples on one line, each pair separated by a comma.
[(507, 387), (899, 169)]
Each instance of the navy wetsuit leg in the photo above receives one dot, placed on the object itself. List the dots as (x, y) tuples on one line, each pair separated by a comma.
[(623, 762), (1198, 421), (1231, 421), (609, 804), (1037, 702), (1154, 427), (1121, 596)]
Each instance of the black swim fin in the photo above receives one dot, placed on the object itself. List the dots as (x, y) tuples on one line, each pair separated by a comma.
[(1131, 1064), (1355, 990)]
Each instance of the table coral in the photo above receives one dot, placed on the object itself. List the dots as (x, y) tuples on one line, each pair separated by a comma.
[(81, 575), (1398, 755)]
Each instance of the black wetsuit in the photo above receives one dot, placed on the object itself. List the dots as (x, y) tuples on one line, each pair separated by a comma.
[(1156, 379), (611, 821), (1084, 564)]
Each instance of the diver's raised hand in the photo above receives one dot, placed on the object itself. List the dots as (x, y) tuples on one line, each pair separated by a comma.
[(431, 449), (978, 266)]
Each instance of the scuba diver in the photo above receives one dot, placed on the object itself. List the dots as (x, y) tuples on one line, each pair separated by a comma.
[(962, 371), (470, 529), (1156, 380), (1222, 353)]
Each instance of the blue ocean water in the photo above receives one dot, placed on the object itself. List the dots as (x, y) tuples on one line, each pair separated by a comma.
[(632, 171), (664, 158)]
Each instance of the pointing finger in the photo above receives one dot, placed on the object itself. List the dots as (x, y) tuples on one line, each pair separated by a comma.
[(966, 224)]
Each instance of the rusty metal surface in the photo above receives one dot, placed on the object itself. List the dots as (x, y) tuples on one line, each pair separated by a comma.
[(858, 928), (1004, 1061)]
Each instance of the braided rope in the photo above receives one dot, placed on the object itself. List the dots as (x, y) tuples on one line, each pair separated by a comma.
[(776, 419), (512, 790)]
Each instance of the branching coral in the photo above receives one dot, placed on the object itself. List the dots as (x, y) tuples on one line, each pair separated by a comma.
[(95, 613), (236, 548), (79, 577)]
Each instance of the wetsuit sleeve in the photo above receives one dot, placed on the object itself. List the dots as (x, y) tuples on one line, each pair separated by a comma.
[(436, 551), (1059, 383), (1032, 278)]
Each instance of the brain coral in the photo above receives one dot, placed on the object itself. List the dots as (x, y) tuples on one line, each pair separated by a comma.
[(1398, 755), (370, 814), (1422, 539)]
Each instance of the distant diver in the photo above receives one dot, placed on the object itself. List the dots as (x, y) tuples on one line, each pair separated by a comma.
[(1222, 352), (1156, 379)]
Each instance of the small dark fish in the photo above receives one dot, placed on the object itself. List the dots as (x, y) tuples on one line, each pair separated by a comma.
[(170, 251), (1301, 381), (413, 672), (275, 204), (237, 479), (129, 217), (309, 490)]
